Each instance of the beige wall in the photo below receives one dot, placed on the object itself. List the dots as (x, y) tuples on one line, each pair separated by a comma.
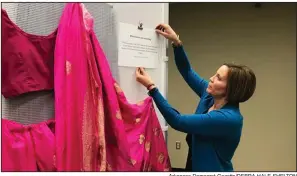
[(265, 40)]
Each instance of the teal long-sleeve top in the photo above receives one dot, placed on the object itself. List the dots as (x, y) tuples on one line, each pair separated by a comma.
[(215, 134)]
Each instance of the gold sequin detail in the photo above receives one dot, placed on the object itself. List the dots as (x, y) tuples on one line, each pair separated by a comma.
[(141, 139), (140, 103), (117, 88), (132, 161), (160, 157), (68, 67), (86, 135), (118, 115), (147, 146), (137, 120)]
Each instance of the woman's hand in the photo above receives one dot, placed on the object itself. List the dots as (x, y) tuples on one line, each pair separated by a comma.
[(166, 31), (143, 78)]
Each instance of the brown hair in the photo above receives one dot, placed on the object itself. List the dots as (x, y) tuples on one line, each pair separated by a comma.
[(241, 83)]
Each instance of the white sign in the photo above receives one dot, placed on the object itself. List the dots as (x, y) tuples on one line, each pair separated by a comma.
[(137, 48)]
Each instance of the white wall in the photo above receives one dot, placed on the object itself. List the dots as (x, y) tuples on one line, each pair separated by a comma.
[(265, 40)]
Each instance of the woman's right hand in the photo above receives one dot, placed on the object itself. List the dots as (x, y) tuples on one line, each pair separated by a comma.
[(166, 31)]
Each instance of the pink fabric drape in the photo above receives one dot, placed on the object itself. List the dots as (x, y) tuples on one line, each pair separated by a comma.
[(27, 147), (75, 104), (97, 129)]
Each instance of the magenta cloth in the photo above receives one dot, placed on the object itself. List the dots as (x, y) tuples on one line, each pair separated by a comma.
[(97, 129), (27, 147)]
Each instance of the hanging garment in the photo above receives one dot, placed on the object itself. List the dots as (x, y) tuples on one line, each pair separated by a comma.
[(96, 128), (27, 147), (26, 60)]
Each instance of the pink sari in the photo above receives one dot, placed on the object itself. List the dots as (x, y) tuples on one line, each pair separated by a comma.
[(97, 129)]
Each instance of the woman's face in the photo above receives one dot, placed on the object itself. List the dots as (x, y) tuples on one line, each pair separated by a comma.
[(218, 83)]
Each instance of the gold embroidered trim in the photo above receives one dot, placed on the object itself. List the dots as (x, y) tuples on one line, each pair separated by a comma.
[(86, 136)]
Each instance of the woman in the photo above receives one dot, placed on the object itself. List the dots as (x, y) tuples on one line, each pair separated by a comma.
[(216, 126)]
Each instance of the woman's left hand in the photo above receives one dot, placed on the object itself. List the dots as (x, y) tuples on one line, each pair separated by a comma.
[(143, 77)]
